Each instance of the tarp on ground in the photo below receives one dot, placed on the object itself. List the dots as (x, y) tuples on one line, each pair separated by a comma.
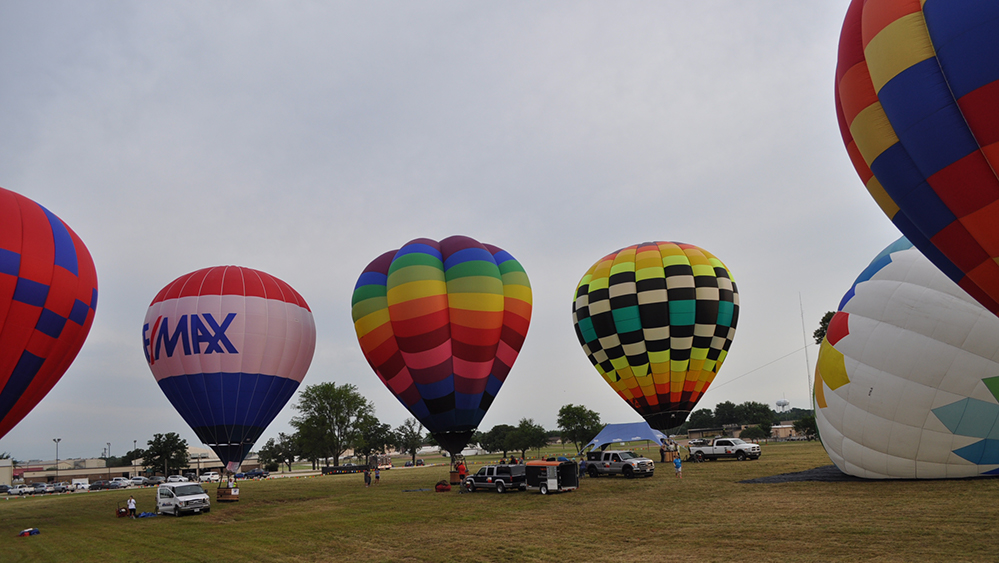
[(627, 432)]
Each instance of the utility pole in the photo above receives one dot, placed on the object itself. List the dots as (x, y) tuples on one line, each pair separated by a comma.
[(108, 463), (57, 440)]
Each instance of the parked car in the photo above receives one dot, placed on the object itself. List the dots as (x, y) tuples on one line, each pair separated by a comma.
[(81, 486), (20, 490), (177, 479), (59, 488), (257, 473), (42, 488), (409, 463), (156, 480), (180, 497), (102, 485), (123, 482), (210, 477), (419, 462), (139, 481), (4, 488)]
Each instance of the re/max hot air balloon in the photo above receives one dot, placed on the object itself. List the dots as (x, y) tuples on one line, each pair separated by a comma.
[(907, 380), (917, 96), (657, 319), (228, 346), (48, 297), (441, 323)]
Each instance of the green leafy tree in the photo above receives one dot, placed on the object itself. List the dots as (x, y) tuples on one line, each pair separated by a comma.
[(374, 438), (702, 418), (820, 332), (578, 424), (528, 436), (496, 439), (806, 427), (754, 433), (725, 413), (165, 451), (275, 453), (330, 418), (752, 412), (409, 437)]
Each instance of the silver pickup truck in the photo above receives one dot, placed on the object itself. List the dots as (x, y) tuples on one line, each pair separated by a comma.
[(725, 448), (618, 462)]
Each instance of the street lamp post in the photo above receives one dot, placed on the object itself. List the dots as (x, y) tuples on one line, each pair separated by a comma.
[(57, 440), (109, 461)]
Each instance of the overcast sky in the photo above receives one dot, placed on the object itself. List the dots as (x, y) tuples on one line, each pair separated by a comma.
[(306, 138)]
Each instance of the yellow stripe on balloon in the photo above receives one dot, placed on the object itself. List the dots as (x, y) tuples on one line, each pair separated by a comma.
[(901, 44), (475, 301), (415, 290)]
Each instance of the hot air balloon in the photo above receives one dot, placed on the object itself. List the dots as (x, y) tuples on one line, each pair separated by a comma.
[(48, 298), (907, 380), (441, 324), (917, 92), (657, 319), (228, 346)]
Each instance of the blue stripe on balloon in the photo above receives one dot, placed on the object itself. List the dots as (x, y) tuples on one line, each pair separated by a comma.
[(371, 278), (79, 312), (23, 374), (50, 323), (965, 34), (913, 94), (502, 256), (493, 385), (468, 255), (467, 401), (437, 389), (876, 265), (213, 399), (31, 292), (419, 248), (10, 262), (65, 250)]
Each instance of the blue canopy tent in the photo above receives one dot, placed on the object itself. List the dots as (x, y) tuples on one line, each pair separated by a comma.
[(628, 432)]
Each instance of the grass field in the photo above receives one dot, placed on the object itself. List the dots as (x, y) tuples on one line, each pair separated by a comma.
[(707, 516)]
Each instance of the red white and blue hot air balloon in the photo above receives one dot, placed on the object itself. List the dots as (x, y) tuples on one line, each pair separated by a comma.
[(48, 298), (228, 346)]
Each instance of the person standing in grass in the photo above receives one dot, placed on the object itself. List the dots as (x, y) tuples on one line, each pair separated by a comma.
[(662, 452), (367, 478), (131, 506), (378, 475), (679, 469)]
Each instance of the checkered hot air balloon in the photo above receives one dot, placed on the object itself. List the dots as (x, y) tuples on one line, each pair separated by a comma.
[(657, 319), (441, 324), (228, 346), (917, 97), (48, 297)]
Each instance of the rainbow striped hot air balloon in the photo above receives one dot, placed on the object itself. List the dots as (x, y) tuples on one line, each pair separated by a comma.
[(228, 346), (656, 320), (48, 298), (441, 323)]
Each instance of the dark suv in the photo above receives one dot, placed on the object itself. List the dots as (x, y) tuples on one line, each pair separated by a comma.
[(499, 477)]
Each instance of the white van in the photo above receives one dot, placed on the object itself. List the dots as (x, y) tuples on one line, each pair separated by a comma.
[(177, 498)]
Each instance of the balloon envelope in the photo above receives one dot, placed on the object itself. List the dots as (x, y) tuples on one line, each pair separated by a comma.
[(907, 379), (441, 324), (228, 346), (657, 319), (48, 298), (917, 96)]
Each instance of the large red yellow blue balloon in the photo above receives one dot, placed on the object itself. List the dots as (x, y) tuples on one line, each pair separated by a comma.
[(48, 297), (917, 96), (441, 323), (228, 346), (657, 319)]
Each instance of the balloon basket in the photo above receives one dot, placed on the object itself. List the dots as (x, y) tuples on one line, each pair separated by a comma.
[(455, 478), (227, 494)]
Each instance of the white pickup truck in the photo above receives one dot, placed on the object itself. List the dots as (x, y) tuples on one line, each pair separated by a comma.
[(721, 448), (618, 462)]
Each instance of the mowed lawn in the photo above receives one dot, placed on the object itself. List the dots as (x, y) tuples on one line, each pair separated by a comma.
[(707, 516)]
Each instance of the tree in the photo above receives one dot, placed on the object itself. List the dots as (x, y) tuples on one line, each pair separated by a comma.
[(578, 424), (752, 412), (527, 436), (496, 439), (725, 413), (820, 332), (330, 419), (806, 427), (702, 418), (754, 433), (275, 453), (409, 437), (373, 438), (165, 451)]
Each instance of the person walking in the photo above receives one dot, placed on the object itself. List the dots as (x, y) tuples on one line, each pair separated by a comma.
[(131, 506), (679, 469)]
